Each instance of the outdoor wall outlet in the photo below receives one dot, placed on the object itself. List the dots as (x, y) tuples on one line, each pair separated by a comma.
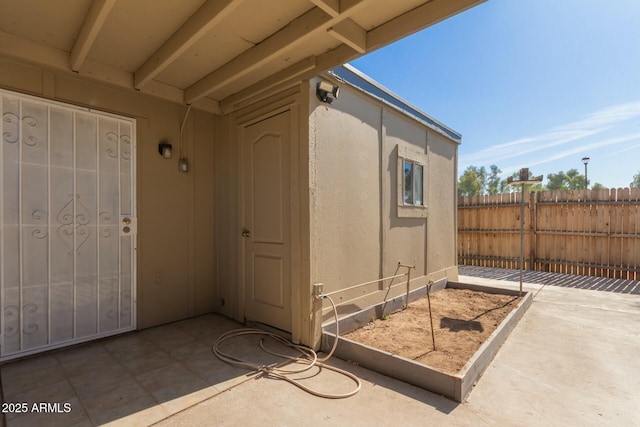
[(184, 165)]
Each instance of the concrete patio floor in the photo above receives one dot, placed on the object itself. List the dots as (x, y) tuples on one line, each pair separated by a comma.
[(572, 360)]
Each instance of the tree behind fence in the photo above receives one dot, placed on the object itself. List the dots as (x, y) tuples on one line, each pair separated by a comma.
[(586, 232)]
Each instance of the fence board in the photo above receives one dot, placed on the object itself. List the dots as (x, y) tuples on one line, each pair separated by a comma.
[(547, 242), (532, 232), (579, 220), (602, 242), (623, 196), (584, 232), (592, 239), (571, 244), (634, 224), (612, 246)]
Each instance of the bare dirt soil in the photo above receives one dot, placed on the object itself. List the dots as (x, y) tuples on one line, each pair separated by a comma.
[(462, 321)]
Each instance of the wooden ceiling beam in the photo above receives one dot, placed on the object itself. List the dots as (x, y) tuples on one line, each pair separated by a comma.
[(290, 36), (330, 7), (258, 55), (356, 42), (415, 20), (202, 21), (290, 73), (323, 62), (90, 29), (30, 52), (351, 34)]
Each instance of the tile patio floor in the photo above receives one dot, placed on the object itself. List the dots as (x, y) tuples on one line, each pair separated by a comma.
[(572, 360), (137, 378)]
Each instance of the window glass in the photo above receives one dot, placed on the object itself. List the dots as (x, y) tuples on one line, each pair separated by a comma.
[(408, 182), (417, 184)]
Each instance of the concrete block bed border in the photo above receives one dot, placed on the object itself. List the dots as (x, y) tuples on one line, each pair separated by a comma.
[(454, 386)]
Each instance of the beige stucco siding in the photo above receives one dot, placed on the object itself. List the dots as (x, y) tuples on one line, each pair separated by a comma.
[(360, 230), (442, 203), (175, 210), (404, 238), (227, 223), (346, 203)]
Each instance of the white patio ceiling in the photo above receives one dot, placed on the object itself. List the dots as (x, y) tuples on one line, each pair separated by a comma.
[(214, 54)]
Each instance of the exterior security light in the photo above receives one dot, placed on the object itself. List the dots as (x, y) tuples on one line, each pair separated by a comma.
[(165, 150), (327, 92)]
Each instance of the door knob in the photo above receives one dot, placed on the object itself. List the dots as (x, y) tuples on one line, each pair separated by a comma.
[(246, 233)]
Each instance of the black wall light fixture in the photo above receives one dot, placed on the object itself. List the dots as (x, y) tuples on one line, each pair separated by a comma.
[(327, 92), (164, 149)]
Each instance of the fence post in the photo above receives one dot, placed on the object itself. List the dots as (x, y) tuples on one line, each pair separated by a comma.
[(533, 228)]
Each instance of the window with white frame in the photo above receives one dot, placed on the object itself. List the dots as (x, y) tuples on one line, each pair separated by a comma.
[(413, 183)]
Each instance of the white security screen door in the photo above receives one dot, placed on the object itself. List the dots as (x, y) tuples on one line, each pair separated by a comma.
[(67, 218)]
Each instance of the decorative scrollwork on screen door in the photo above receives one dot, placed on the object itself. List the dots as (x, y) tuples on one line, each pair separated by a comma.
[(11, 131), (67, 224)]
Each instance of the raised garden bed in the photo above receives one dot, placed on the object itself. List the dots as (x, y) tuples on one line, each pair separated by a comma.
[(470, 323)]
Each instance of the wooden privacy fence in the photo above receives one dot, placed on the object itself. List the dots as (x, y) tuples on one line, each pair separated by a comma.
[(586, 232)]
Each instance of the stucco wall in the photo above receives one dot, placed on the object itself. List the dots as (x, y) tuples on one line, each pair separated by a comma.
[(404, 237), (228, 216), (175, 210), (346, 192), (358, 233), (441, 227)]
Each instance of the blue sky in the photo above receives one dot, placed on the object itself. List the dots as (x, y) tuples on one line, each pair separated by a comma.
[(538, 84)]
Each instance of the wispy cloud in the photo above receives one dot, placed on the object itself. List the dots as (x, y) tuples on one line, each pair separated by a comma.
[(580, 149), (592, 124), (621, 151)]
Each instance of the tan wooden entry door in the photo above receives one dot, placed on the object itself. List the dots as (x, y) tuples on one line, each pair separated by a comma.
[(267, 234)]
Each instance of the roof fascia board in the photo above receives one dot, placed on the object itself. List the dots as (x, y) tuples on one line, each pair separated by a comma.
[(415, 20)]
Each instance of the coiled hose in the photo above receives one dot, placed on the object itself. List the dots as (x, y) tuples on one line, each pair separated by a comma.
[(308, 358)]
